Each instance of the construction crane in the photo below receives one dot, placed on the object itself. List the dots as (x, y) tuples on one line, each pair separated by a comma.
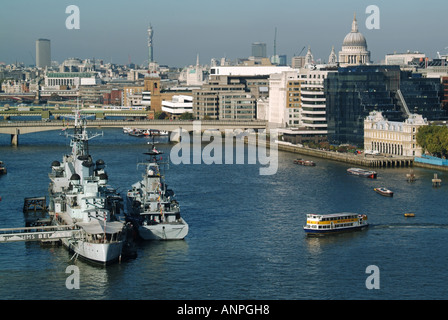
[(300, 51)]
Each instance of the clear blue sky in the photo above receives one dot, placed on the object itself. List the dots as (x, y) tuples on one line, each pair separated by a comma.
[(116, 30)]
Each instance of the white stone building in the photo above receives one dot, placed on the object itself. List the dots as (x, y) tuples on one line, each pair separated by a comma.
[(392, 137), (354, 48), (278, 113), (313, 100), (178, 105)]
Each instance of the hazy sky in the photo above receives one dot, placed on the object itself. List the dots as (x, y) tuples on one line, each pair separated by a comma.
[(116, 31)]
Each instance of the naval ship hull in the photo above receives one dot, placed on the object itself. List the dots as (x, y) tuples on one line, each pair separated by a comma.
[(164, 231), (98, 253)]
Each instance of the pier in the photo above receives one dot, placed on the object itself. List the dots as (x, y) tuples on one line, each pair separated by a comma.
[(375, 161), (39, 233), (38, 225), (35, 212)]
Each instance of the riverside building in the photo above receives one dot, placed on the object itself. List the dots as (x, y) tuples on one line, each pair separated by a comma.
[(233, 92), (353, 92), (297, 104), (392, 137)]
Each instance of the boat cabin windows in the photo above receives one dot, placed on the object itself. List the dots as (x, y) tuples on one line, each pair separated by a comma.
[(332, 218), (330, 226), (339, 218)]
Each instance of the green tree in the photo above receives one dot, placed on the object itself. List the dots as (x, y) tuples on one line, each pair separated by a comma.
[(186, 116), (434, 139), (160, 115)]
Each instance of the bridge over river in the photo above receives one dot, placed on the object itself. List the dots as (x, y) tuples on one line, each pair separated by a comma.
[(16, 128)]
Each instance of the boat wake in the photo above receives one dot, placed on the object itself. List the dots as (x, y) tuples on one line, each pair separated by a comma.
[(409, 226)]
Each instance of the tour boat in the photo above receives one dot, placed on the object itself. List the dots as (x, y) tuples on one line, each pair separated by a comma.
[(362, 173), (384, 192), (321, 224)]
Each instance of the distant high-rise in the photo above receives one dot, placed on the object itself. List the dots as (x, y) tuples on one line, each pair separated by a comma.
[(43, 53), (151, 52), (259, 50)]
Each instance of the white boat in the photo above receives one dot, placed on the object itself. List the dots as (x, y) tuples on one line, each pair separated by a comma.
[(362, 173), (151, 205), (155, 132), (321, 224), (384, 191), (79, 196)]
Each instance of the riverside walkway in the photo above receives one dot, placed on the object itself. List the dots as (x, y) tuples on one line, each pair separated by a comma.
[(376, 161), (16, 128)]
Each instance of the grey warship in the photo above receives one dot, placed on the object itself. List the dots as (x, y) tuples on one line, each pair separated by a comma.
[(80, 196), (152, 207)]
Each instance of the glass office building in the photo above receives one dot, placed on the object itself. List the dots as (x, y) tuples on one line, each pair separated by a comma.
[(423, 95), (353, 92)]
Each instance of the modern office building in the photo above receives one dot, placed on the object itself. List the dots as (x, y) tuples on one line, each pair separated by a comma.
[(236, 106), (259, 50), (279, 60), (253, 80), (353, 92), (445, 93), (284, 99), (313, 100), (206, 99), (423, 95), (298, 62), (178, 105), (132, 96), (43, 53), (297, 104)]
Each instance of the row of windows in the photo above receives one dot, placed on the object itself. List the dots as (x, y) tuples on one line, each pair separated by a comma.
[(340, 218), (329, 226)]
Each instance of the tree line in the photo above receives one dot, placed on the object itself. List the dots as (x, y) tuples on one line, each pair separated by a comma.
[(434, 139)]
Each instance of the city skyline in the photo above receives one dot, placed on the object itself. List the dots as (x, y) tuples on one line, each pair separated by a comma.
[(117, 32)]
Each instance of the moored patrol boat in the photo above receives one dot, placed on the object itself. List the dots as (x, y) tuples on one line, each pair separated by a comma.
[(79, 196), (320, 224), (362, 173), (152, 207)]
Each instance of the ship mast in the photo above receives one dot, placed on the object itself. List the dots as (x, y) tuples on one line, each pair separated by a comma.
[(80, 136)]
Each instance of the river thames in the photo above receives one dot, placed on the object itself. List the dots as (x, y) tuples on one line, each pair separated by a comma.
[(246, 238)]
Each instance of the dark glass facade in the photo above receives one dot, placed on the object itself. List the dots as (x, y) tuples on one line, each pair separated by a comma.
[(423, 95), (353, 92)]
